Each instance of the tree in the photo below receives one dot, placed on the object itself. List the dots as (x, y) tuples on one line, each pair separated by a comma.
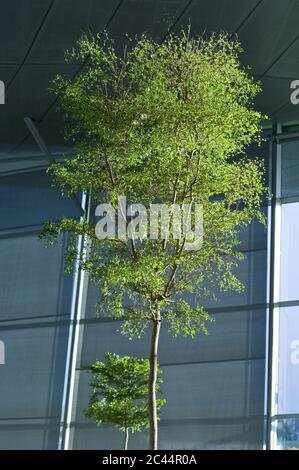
[(119, 393), (165, 123)]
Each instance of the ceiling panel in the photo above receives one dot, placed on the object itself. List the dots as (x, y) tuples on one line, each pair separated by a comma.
[(288, 62), (206, 16), (19, 20), (70, 19), (276, 91), (52, 128), (28, 96), (286, 113), (268, 32), (6, 72), (34, 35), (153, 17)]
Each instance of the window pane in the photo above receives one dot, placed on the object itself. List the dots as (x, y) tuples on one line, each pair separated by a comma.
[(29, 434), (33, 374), (288, 380), (254, 237), (289, 274), (215, 435), (203, 391), (208, 405), (251, 271), (288, 434), (234, 335), (32, 279), (290, 169), (30, 199)]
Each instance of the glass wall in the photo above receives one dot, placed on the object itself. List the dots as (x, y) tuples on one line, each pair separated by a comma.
[(35, 300), (214, 385), (285, 385), (288, 375)]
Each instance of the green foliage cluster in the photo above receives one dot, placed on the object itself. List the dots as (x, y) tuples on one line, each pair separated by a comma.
[(119, 392), (167, 123)]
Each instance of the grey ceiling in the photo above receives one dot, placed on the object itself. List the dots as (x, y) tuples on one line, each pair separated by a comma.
[(35, 33)]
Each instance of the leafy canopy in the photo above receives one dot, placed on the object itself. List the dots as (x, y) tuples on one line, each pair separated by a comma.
[(119, 392), (167, 123)]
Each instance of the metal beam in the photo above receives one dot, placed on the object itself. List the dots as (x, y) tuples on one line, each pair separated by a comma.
[(273, 290), (45, 150)]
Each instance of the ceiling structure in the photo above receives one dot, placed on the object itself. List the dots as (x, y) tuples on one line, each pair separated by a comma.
[(34, 35)]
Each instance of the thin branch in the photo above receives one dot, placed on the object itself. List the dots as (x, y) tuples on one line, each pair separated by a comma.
[(110, 171)]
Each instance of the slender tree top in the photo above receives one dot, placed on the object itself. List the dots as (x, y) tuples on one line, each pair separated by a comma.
[(119, 392), (167, 123)]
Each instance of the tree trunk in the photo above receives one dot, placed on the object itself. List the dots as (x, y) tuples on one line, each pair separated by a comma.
[(152, 399), (126, 439)]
